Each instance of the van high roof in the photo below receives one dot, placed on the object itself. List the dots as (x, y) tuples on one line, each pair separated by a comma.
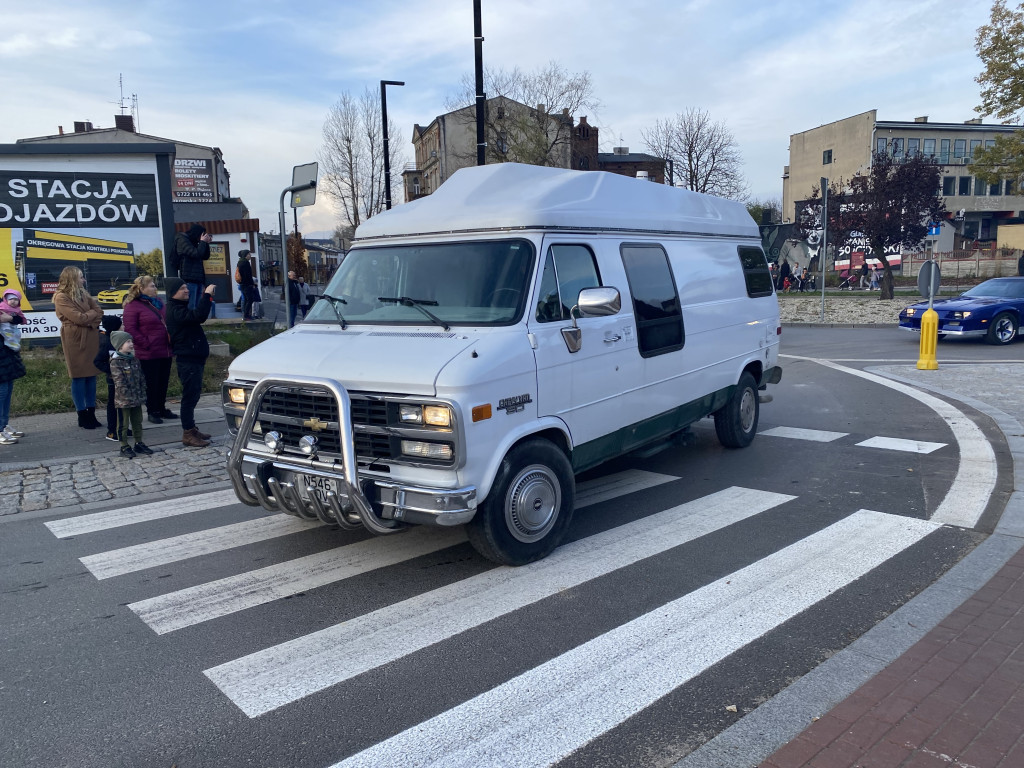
[(516, 196)]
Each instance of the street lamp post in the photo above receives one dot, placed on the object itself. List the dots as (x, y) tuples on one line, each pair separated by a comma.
[(384, 120)]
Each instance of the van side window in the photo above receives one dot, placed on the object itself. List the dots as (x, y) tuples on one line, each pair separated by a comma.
[(659, 318), (755, 272), (568, 269)]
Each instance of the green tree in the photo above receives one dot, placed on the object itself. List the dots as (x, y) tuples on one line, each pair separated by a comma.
[(297, 255), (150, 263), (1000, 46), (759, 208)]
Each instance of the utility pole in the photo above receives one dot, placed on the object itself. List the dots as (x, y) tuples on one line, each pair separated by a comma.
[(387, 151), (481, 97)]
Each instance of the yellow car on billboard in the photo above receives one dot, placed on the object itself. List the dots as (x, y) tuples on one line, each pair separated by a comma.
[(113, 297)]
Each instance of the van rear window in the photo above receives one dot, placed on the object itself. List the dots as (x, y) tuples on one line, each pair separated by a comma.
[(755, 272), (659, 317)]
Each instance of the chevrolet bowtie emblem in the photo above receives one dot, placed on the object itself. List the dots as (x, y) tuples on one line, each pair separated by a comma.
[(315, 424)]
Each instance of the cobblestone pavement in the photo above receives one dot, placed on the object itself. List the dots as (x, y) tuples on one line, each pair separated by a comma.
[(71, 482)]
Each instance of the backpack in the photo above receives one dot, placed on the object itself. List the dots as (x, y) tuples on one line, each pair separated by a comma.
[(238, 275)]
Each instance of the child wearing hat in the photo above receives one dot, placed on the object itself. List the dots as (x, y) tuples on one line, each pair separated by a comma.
[(108, 325), (129, 393)]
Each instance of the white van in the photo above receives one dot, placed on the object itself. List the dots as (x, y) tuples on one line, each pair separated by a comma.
[(479, 347)]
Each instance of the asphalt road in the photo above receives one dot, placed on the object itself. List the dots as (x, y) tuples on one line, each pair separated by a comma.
[(698, 582)]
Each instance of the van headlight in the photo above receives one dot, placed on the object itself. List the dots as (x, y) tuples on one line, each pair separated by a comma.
[(424, 450), (425, 415), (238, 395)]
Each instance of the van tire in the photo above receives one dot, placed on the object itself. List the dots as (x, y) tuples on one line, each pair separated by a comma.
[(528, 511), (736, 421)]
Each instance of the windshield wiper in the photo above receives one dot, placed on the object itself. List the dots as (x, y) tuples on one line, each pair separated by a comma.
[(334, 302), (405, 301)]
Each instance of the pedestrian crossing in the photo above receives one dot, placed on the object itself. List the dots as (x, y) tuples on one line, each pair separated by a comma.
[(825, 436), (598, 684)]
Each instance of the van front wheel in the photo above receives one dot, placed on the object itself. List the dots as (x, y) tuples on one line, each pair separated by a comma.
[(527, 512), (736, 421)]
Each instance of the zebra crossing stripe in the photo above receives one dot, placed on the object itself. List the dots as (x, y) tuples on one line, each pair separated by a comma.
[(601, 683), (798, 433), (115, 518), (118, 562), (183, 608), (271, 678), (900, 444)]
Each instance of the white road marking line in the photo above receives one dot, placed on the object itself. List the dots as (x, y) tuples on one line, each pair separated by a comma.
[(204, 602), (798, 433), (151, 554), (176, 610), (157, 510), (271, 678), (601, 683), (900, 444), (975, 478)]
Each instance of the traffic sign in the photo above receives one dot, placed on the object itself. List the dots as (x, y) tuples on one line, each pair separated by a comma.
[(928, 279)]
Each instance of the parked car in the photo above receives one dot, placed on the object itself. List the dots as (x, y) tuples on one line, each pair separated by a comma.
[(113, 297), (992, 309)]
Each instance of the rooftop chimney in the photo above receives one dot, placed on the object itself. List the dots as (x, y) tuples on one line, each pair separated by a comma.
[(124, 123), (82, 127), (923, 119), (620, 150), (973, 121)]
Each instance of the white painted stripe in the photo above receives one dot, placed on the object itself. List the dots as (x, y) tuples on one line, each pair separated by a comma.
[(798, 433), (557, 707), (121, 561), (975, 478), (142, 513), (618, 484), (273, 677), (186, 607), (900, 444), (204, 602)]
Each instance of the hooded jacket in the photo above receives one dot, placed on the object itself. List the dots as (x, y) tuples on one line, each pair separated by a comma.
[(188, 340), (189, 254), (144, 320)]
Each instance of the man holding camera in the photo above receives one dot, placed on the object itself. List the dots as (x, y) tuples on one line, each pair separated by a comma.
[(191, 249), (190, 347)]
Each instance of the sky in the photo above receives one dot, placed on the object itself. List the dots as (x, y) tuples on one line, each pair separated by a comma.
[(257, 78)]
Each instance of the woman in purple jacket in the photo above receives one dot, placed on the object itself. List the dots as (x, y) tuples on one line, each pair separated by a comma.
[(144, 320)]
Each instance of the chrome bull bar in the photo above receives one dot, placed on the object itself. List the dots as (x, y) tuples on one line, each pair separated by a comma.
[(350, 509)]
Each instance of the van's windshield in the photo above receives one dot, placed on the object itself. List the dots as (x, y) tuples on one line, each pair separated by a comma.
[(443, 284)]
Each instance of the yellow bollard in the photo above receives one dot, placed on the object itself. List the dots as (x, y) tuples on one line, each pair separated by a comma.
[(929, 340)]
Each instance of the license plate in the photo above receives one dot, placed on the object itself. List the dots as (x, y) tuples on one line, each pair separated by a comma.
[(952, 324), (320, 485)]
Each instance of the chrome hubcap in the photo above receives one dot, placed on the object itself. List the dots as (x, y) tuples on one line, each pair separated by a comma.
[(748, 405), (1004, 329), (532, 503)]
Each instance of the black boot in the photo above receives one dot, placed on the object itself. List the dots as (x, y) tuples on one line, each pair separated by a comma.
[(82, 419), (91, 422)]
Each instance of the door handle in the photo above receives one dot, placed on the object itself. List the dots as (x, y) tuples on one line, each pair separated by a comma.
[(612, 339)]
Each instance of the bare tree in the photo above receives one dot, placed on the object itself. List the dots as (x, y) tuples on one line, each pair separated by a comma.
[(703, 153), (352, 157), (532, 119)]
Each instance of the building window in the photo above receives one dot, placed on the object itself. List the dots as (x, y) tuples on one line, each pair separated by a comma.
[(949, 185), (500, 113), (980, 187), (826, 157), (897, 149), (913, 147), (964, 186), (880, 146), (502, 144), (584, 163), (975, 143), (944, 151), (929, 147), (993, 189), (959, 149), (1011, 187)]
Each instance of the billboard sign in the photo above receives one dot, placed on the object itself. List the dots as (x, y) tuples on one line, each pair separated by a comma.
[(100, 213), (192, 180)]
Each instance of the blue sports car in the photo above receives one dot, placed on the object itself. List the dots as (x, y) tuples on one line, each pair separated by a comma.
[(993, 309)]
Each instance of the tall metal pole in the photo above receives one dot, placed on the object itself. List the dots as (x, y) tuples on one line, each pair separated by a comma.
[(384, 128), (481, 97), (824, 240), (284, 246)]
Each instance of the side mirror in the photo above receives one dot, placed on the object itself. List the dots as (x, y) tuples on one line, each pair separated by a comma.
[(592, 302)]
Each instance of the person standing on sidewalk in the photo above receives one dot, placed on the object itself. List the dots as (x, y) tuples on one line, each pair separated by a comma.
[(144, 320), (108, 325), (304, 294), (190, 347), (246, 284), (80, 317), (191, 249), (11, 369), (294, 297), (129, 393)]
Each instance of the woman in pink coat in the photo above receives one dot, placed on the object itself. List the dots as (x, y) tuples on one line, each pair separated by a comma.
[(144, 319)]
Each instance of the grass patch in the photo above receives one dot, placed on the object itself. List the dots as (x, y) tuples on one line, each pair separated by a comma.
[(46, 386)]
